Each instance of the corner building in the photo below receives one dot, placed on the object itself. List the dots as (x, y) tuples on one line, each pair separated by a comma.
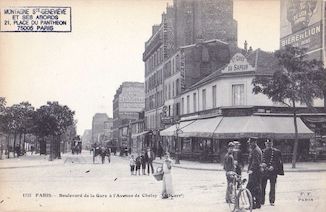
[(193, 39)]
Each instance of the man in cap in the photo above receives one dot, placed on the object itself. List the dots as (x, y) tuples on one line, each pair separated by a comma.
[(272, 166), (149, 157), (254, 182), (229, 168)]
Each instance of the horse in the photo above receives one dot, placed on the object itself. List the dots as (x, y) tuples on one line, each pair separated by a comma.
[(103, 152)]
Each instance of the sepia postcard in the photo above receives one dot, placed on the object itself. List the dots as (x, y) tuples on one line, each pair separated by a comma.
[(162, 105)]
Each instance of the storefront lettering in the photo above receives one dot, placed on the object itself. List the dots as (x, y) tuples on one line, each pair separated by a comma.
[(238, 63)]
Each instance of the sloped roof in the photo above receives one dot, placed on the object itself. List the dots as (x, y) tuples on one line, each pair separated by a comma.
[(264, 63)]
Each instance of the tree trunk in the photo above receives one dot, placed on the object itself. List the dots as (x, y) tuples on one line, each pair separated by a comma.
[(24, 140), (14, 147), (8, 145), (39, 142), (20, 144), (296, 139), (59, 147), (51, 149)]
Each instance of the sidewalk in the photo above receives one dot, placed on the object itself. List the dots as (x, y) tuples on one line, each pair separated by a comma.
[(28, 160), (300, 166), (43, 160)]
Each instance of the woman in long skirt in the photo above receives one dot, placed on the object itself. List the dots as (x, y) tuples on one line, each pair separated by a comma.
[(167, 190)]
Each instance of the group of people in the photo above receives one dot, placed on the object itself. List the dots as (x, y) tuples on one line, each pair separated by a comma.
[(143, 160), (263, 166), (102, 151)]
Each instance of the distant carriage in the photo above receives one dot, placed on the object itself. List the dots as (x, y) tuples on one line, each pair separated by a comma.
[(102, 152), (76, 147)]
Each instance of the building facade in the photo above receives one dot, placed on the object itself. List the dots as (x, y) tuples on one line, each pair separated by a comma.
[(193, 39), (87, 139), (222, 107), (138, 140), (99, 127), (127, 103)]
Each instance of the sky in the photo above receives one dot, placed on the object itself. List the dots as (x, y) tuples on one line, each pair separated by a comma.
[(82, 69)]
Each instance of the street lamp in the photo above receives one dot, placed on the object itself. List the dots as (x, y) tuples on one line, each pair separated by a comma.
[(177, 152)]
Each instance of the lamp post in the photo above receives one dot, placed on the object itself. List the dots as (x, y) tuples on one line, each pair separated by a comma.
[(177, 152)]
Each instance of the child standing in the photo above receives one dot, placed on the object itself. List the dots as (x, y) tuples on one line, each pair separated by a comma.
[(138, 163), (132, 164)]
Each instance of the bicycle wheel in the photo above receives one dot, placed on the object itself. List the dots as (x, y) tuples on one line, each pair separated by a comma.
[(244, 200), (232, 197)]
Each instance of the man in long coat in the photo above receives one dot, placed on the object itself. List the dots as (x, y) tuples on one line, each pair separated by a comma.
[(272, 166), (229, 167), (254, 171), (149, 157)]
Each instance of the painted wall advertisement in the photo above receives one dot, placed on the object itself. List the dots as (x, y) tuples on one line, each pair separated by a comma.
[(302, 24)]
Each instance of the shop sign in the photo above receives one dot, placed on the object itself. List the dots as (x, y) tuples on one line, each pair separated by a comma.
[(167, 120), (238, 63)]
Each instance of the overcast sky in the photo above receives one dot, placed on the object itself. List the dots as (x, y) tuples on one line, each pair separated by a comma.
[(83, 69)]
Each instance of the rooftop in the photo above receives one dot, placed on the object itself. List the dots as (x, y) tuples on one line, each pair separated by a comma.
[(263, 62)]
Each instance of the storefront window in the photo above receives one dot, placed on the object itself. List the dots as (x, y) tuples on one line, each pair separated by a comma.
[(186, 147)]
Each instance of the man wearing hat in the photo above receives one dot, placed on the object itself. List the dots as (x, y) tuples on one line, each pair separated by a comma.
[(271, 167), (254, 182), (229, 167), (149, 157)]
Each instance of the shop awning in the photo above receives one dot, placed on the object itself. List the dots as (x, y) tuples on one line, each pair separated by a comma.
[(261, 126), (171, 131), (139, 134), (201, 128), (276, 127)]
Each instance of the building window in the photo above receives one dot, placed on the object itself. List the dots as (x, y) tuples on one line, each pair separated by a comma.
[(188, 104), (169, 91), (166, 92), (169, 110), (238, 94), (214, 96), (182, 105), (177, 87), (204, 99), (195, 102), (177, 110), (173, 89)]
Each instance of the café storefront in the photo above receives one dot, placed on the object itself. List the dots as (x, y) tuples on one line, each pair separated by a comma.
[(205, 139)]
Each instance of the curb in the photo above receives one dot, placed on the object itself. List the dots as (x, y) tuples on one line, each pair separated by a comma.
[(205, 169)]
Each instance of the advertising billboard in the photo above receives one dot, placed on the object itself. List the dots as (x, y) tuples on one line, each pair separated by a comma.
[(302, 25)]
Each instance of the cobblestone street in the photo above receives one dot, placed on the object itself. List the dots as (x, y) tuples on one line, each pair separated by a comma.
[(75, 183)]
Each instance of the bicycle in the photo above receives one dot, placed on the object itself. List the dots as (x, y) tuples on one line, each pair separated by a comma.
[(241, 198)]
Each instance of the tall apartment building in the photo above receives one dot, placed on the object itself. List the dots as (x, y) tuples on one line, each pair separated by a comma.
[(128, 101), (193, 40), (87, 139), (99, 127)]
